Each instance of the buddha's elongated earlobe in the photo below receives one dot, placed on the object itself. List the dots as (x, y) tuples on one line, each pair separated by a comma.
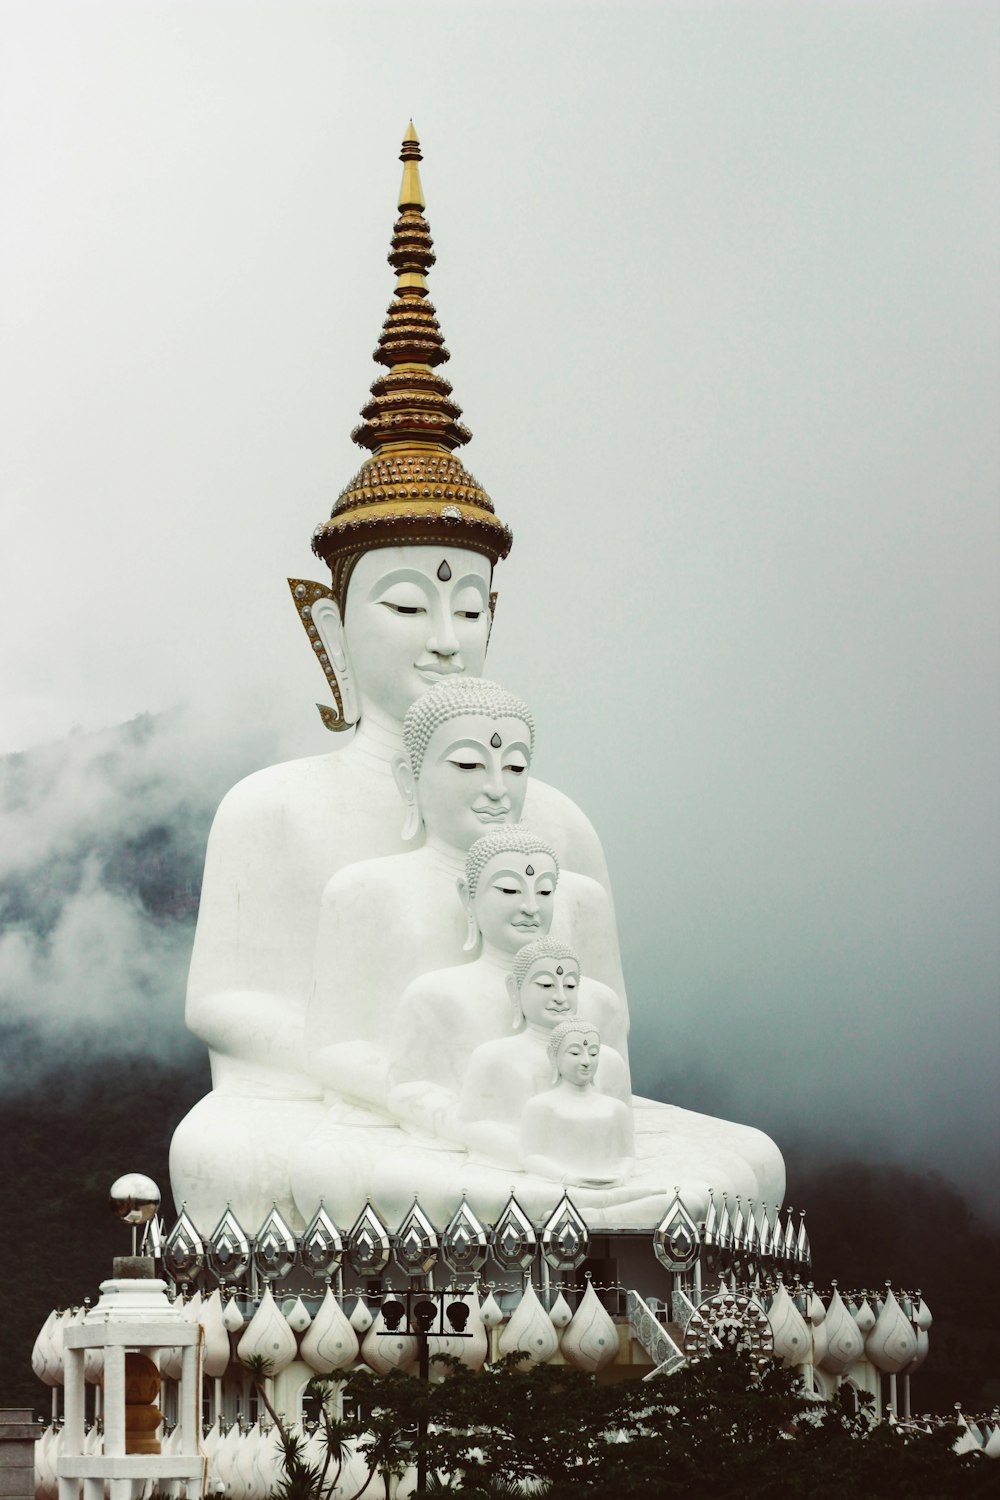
[(320, 617), (517, 1017), (402, 774), (472, 935)]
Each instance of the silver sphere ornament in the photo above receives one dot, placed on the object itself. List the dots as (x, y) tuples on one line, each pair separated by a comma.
[(134, 1198)]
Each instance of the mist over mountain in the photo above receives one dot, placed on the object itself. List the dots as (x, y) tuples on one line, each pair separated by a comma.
[(102, 843)]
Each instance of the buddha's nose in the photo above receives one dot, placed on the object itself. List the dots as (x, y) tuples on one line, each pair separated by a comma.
[(494, 787), (443, 641)]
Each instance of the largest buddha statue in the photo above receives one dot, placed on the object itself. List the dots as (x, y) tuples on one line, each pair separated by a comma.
[(411, 546)]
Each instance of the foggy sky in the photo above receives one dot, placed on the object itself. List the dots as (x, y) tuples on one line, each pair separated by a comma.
[(721, 288)]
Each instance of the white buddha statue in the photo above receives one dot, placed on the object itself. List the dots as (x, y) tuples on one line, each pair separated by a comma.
[(574, 1132), (502, 1075), (511, 888), (411, 546)]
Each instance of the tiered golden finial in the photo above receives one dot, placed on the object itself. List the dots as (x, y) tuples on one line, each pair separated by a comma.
[(412, 489)]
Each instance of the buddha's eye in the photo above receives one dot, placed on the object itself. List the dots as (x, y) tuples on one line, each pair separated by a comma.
[(404, 609), (516, 770), (468, 614), (544, 984), (569, 983), (545, 890), (507, 890), (469, 765)]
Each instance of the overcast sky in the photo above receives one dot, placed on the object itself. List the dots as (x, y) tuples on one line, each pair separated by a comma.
[(721, 288)]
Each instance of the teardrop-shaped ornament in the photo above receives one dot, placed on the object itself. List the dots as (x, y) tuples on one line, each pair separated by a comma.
[(865, 1317), (384, 1349), (215, 1336), (228, 1249), (565, 1237), (591, 1340), (331, 1343), (792, 1336), (560, 1313), (274, 1247), (368, 1244), (513, 1240), (322, 1247), (490, 1311), (297, 1315), (183, 1251), (361, 1319), (675, 1240), (844, 1343), (465, 1243), (530, 1330), (416, 1243), (43, 1362), (892, 1342), (232, 1316), (269, 1336)]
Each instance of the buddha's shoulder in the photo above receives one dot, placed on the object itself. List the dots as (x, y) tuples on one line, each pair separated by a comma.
[(385, 873), (550, 812), (291, 786)]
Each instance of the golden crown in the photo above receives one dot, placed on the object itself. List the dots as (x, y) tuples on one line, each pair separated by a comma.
[(412, 488)]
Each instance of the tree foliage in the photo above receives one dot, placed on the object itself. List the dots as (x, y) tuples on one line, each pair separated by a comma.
[(719, 1428)]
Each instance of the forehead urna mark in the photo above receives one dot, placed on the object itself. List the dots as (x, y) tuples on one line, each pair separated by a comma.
[(530, 870), (444, 572), (559, 968), (496, 741)]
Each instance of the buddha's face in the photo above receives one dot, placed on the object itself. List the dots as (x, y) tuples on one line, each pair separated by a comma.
[(474, 775), (413, 616), (549, 991), (577, 1058), (514, 899)]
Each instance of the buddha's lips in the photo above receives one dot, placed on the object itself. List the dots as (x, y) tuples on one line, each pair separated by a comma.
[(446, 669), (491, 814)]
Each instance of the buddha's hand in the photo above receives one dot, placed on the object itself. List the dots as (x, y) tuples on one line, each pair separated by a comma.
[(578, 1179)]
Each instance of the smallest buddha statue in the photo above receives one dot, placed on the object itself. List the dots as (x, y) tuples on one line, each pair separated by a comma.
[(573, 1132)]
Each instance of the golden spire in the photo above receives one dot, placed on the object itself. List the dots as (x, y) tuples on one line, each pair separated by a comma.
[(412, 489)]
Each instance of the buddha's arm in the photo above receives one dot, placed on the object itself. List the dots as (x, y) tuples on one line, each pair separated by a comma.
[(356, 1069), (609, 1013), (485, 1118), (613, 1077), (414, 1094), (245, 996), (584, 916), (557, 816)]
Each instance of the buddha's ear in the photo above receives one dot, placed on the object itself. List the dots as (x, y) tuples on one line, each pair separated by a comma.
[(402, 775), (464, 895), (330, 628)]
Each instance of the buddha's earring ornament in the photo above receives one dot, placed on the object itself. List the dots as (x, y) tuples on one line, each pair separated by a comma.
[(411, 820), (305, 593), (472, 935)]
